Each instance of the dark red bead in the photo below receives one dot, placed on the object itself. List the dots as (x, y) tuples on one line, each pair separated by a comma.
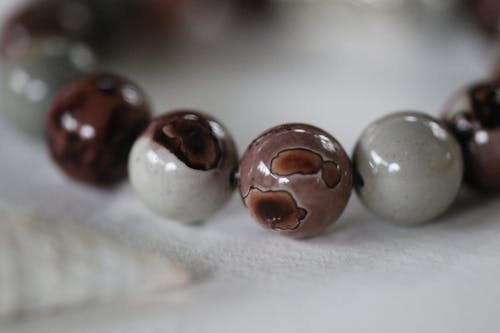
[(92, 126)]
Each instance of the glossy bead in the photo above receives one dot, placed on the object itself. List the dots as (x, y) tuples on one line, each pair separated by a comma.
[(473, 114), (29, 82), (409, 167), (295, 179), (182, 166), (92, 125)]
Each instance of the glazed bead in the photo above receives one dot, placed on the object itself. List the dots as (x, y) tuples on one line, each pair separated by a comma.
[(29, 82), (182, 166), (92, 125), (409, 167), (295, 179), (473, 114)]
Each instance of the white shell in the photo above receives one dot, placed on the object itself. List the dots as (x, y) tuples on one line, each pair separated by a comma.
[(172, 189), (46, 265)]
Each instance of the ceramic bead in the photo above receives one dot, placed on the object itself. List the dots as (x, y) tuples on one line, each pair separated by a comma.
[(92, 125), (473, 114), (295, 179), (183, 165), (29, 82), (409, 167)]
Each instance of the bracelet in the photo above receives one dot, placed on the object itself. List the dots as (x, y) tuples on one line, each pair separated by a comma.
[(295, 179)]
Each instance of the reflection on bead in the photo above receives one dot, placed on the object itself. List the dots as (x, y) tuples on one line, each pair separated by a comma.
[(92, 126), (29, 82), (409, 167), (183, 164), (473, 114), (295, 179)]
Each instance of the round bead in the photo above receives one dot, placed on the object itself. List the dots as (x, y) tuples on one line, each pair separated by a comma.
[(409, 167), (92, 126), (473, 114), (488, 14), (29, 82), (183, 165), (295, 179)]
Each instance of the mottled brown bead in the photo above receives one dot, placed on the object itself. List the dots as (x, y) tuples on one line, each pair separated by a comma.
[(92, 126), (295, 179), (474, 116)]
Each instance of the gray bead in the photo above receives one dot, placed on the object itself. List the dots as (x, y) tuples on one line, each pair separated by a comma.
[(409, 166), (30, 81)]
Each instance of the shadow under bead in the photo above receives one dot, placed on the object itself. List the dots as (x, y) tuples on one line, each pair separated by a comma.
[(295, 179), (92, 126), (182, 166), (473, 114)]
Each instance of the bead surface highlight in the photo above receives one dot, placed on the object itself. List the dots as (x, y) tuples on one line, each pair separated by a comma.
[(409, 167), (183, 166), (295, 179)]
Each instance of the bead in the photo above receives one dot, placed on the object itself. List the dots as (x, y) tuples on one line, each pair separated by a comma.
[(473, 114), (71, 19), (29, 82), (92, 125), (409, 167), (295, 179), (183, 164)]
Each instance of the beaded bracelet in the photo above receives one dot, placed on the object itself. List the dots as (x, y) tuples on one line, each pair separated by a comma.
[(295, 179)]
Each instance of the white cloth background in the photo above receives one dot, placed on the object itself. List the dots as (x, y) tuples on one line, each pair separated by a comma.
[(335, 66)]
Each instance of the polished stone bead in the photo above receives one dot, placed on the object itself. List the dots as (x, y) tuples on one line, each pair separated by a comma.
[(473, 114), (30, 81), (92, 125), (409, 167), (183, 165), (487, 13), (295, 179)]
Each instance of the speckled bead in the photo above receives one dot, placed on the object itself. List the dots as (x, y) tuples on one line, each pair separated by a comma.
[(92, 125), (183, 165), (30, 81), (409, 167), (473, 114), (295, 179)]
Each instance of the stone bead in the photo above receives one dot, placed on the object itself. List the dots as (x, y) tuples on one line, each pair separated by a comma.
[(92, 125), (183, 165), (473, 114), (409, 167), (295, 179), (29, 82)]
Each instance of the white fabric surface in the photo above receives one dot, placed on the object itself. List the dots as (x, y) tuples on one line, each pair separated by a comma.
[(336, 66)]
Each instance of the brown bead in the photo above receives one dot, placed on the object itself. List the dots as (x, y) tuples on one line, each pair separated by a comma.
[(295, 179), (92, 126), (474, 116)]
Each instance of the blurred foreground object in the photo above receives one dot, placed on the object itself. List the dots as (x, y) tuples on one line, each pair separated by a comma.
[(30, 81), (47, 265), (488, 14)]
